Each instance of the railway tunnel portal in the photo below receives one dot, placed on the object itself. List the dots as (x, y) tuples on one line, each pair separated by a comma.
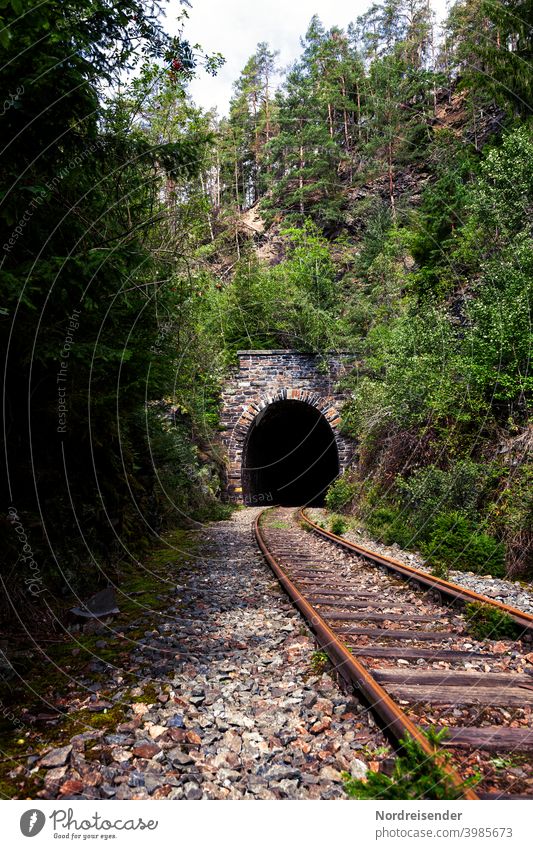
[(280, 419)]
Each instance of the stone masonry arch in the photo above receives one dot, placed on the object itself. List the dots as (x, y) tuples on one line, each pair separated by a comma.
[(264, 378)]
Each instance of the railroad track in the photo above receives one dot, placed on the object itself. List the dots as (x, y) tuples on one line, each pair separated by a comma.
[(401, 637)]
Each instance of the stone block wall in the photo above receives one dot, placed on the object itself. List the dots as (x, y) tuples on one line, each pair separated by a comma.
[(264, 377)]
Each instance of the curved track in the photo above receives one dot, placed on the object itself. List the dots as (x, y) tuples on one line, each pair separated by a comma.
[(401, 637)]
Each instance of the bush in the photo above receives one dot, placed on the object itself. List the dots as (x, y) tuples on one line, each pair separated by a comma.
[(512, 513), (340, 493), (455, 541), (431, 491), (440, 570), (390, 526), (487, 622), (337, 525)]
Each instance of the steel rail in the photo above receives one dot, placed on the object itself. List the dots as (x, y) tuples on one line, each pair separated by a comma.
[(447, 588), (396, 721)]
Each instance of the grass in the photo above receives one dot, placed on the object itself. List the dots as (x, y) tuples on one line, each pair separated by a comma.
[(416, 775)]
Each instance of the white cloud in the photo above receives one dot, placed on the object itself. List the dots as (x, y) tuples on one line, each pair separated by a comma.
[(234, 27)]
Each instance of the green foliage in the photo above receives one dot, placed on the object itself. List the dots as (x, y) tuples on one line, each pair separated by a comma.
[(440, 570), (292, 305), (319, 662), (338, 525), (442, 212), (512, 515), (485, 622), (341, 492), (92, 304), (389, 524), (431, 491), (416, 776), (455, 540), (438, 512), (493, 50)]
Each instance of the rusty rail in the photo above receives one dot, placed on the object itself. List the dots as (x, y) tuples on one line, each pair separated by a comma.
[(353, 671), (446, 588)]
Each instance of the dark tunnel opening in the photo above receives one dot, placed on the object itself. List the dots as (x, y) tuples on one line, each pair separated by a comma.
[(290, 456)]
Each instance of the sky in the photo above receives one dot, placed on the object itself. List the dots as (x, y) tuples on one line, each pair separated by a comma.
[(234, 27)]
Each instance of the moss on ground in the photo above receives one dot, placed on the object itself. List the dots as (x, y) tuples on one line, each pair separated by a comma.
[(47, 675)]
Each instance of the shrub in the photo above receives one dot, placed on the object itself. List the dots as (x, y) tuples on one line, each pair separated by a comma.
[(487, 622), (340, 493), (431, 491), (337, 525), (390, 526), (455, 541), (512, 513), (440, 570)]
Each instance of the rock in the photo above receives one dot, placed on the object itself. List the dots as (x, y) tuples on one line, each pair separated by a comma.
[(228, 776), (71, 787), (121, 755), (146, 750), (152, 782), (279, 773), (57, 757), (193, 738), (239, 719), (103, 603), (232, 741), (108, 791), (118, 739), (309, 699), (192, 791), (53, 776), (177, 756), (321, 725), (156, 731), (176, 735), (136, 779), (324, 706), (227, 698), (387, 766), (328, 773), (93, 778), (358, 769), (139, 708)]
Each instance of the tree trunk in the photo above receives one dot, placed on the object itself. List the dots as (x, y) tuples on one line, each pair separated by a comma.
[(208, 215), (391, 182), (358, 94), (330, 120), (218, 180), (236, 183), (301, 179)]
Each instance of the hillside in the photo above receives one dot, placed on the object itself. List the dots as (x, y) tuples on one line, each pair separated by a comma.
[(379, 200)]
